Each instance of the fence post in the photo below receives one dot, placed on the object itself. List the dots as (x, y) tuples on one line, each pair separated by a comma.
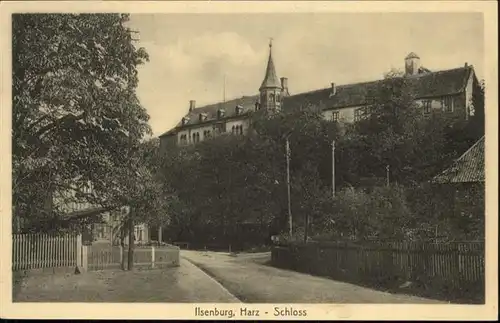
[(85, 258), (152, 257), (79, 251)]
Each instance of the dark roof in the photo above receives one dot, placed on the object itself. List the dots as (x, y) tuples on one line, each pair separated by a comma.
[(229, 107), (270, 79), (412, 55), (468, 168), (427, 84)]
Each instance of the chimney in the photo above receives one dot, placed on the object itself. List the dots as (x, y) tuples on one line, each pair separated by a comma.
[(334, 89), (412, 64), (466, 65), (284, 84), (192, 105), (239, 109)]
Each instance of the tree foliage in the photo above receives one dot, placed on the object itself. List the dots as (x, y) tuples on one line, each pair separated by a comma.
[(76, 118), (231, 179)]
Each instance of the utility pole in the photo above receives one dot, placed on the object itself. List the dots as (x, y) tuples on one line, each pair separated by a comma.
[(288, 186), (130, 223), (224, 90), (333, 168), (387, 174)]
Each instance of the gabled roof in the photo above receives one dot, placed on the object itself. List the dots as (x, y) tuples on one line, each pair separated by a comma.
[(428, 84), (468, 168)]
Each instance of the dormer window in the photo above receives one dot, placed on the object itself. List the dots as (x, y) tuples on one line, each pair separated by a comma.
[(221, 113), (185, 121), (203, 116), (239, 110)]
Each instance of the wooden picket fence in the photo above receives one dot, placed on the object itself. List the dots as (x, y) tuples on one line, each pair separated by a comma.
[(451, 267), (101, 258), (37, 251)]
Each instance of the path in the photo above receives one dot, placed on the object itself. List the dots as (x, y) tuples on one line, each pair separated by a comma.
[(249, 278), (186, 283)]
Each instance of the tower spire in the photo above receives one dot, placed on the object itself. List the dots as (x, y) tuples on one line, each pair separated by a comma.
[(270, 81)]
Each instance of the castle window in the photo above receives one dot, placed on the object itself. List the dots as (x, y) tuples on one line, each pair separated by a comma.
[(362, 113), (335, 116), (233, 129), (358, 114), (427, 106), (183, 139), (219, 128), (196, 137), (271, 97), (472, 111), (447, 104), (239, 129)]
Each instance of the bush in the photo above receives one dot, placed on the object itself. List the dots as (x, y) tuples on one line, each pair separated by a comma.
[(356, 214)]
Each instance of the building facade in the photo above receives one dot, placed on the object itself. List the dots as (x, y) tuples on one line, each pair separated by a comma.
[(448, 90), (105, 225)]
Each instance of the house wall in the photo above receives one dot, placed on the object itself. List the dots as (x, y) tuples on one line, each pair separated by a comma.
[(435, 103), (244, 122), (459, 107), (67, 202), (345, 114), (469, 88), (165, 141), (192, 130)]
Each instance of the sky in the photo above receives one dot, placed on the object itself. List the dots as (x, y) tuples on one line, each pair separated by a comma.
[(191, 53)]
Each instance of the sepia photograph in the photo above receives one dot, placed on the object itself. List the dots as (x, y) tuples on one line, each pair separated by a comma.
[(227, 159)]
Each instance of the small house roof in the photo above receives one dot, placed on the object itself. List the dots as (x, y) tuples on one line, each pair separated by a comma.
[(468, 168)]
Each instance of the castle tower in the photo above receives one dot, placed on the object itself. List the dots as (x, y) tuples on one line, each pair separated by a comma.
[(271, 87)]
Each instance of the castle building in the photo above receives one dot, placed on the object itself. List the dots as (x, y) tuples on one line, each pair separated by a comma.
[(448, 90)]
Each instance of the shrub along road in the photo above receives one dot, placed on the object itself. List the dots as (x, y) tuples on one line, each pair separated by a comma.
[(248, 277)]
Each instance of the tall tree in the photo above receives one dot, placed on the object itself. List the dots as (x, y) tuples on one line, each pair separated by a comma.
[(75, 110)]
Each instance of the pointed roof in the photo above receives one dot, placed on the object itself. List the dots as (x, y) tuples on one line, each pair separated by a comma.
[(270, 79), (467, 168), (412, 55)]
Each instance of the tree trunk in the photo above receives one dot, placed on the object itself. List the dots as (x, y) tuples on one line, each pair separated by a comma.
[(131, 241), (306, 226), (122, 250)]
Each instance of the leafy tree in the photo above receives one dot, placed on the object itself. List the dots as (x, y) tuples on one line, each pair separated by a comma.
[(75, 111)]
